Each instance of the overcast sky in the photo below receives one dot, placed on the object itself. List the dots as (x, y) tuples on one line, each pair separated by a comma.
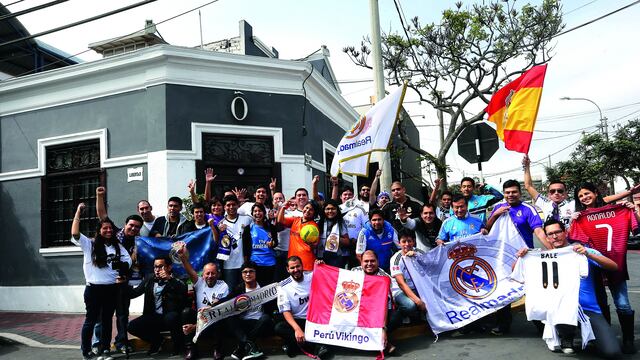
[(598, 61)]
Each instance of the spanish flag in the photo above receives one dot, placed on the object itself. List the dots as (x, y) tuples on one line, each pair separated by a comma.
[(514, 109)]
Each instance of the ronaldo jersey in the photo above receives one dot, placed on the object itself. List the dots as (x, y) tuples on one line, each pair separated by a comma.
[(606, 229), (552, 284)]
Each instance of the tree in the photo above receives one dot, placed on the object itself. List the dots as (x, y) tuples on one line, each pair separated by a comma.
[(458, 63), (596, 160)]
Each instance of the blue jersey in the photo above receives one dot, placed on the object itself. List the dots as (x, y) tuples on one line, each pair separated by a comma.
[(526, 219), (454, 228), (261, 253), (478, 204)]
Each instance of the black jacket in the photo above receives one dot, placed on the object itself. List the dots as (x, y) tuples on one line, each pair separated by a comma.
[(174, 295)]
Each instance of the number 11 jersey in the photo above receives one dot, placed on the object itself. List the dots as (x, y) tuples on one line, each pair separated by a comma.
[(552, 284)]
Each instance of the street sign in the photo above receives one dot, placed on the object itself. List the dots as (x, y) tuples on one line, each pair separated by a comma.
[(477, 143)]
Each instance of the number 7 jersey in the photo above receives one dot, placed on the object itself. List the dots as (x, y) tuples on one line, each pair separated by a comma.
[(606, 229), (552, 284)]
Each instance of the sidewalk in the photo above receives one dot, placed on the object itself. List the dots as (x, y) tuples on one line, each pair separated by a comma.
[(51, 330)]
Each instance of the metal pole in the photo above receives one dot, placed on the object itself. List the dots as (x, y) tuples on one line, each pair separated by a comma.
[(378, 77)]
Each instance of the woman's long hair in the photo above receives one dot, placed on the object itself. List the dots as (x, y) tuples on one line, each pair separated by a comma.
[(99, 247), (266, 224), (337, 220), (591, 187)]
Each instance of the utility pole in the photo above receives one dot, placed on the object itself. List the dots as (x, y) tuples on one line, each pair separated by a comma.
[(378, 77)]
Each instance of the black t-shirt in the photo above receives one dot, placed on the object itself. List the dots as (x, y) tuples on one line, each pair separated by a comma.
[(413, 210)]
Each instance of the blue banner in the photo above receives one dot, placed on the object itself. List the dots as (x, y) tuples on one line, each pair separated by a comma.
[(202, 250)]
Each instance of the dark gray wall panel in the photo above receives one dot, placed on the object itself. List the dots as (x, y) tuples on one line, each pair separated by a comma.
[(123, 197)]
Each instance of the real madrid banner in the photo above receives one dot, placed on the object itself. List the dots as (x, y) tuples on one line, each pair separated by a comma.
[(371, 133), (199, 243), (463, 281), (347, 308), (235, 306)]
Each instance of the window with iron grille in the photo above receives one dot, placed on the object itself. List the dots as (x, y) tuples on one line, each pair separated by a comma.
[(72, 175)]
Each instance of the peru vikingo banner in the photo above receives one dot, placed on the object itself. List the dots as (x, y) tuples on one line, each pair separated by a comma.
[(347, 308), (465, 280), (514, 109)]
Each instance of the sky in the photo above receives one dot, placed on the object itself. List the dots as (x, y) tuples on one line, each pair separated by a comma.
[(597, 61)]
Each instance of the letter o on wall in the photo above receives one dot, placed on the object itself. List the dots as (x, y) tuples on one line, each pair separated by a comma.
[(239, 108)]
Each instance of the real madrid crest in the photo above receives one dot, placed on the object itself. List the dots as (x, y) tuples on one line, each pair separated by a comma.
[(226, 241), (347, 300), (470, 276)]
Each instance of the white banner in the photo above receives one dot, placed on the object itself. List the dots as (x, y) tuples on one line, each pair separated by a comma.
[(235, 306), (465, 280), (371, 133)]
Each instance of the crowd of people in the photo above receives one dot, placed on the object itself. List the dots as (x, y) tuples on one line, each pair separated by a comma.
[(258, 242)]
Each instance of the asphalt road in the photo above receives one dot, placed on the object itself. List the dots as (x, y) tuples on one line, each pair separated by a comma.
[(521, 343)]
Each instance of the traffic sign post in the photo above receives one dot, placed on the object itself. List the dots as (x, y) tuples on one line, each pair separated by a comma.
[(477, 143)]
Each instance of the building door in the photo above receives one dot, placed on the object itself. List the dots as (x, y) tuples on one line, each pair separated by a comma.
[(237, 161)]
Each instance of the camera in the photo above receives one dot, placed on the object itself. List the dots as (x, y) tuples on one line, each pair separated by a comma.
[(121, 266)]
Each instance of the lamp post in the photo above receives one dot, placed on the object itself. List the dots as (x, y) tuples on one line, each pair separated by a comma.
[(604, 128), (603, 120)]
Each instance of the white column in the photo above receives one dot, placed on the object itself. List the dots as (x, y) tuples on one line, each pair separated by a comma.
[(167, 176)]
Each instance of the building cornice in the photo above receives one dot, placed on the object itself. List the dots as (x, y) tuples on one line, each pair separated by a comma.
[(166, 64)]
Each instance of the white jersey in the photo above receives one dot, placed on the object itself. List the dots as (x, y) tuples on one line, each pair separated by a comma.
[(552, 284), (235, 229), (399, 267), (354, 217), (245, 209), (564, 210), (207, 296), (293, 296), (93, 274)]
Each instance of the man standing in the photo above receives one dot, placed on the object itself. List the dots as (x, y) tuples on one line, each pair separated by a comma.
[(353, 213), (461, 224), (478, 204), (170, 225), (400, 199), (208, 291), (443, 211), (261, 198), (231, 228), (426, 227), (293, 303), (379, 236), (144, 210), (165, 297)]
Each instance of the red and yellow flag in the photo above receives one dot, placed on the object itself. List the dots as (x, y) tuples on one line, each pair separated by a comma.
[(514, 109)]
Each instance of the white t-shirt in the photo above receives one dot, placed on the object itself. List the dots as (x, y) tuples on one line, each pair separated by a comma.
[(245, 209), (255, 312), (93, 274), (565, 209), (235, 229), (146, 228), (355, 218), (206, 295), (398, 267), (293, 296), (552, 284), (283, 236)]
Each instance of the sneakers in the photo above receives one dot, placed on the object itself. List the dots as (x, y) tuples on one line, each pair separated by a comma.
[(252, 351), (125, 349), (497, 331), (105, 356), (566, 345), (89, 356), (238, 353), (289, 351)]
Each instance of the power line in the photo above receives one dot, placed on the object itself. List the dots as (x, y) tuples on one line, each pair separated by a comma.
[(29, 10), (118, 38), (596, 19)]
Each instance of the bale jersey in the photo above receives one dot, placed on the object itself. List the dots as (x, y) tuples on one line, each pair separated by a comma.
[(552, 284), (606, 229), (293, 296)]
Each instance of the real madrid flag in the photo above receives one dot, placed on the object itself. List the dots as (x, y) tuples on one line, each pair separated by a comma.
[(347, 308), (371, 133)]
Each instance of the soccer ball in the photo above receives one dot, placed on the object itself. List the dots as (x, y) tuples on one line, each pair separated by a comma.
[(309, 234)]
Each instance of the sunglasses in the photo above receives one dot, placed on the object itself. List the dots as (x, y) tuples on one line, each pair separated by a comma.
[(553, 191)]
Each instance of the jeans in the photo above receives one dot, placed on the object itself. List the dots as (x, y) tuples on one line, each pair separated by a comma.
[(122, 319), (148, 327), (249, 329), (100, 303), (405, 307), (621, 297), (605, 339)]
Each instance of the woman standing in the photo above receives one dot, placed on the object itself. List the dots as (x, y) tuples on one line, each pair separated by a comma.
[(104, 256), (258, 244), (589, 198), (297, 246), (333, 247)]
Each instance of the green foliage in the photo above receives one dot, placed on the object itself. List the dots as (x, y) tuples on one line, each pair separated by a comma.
[(455, 65), (596, 160), (187, 203)]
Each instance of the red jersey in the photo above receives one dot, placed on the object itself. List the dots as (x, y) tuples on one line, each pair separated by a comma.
[(606, 229)]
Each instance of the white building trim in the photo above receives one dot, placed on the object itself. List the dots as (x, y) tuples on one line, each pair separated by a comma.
[(166, 64), (105, 161)]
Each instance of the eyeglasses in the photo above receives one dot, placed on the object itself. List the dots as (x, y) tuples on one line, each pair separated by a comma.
[(553, 191), (159, 266), (247, 272), (554, 234)]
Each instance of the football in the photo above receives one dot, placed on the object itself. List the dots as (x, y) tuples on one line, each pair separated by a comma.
[(309, 234)]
